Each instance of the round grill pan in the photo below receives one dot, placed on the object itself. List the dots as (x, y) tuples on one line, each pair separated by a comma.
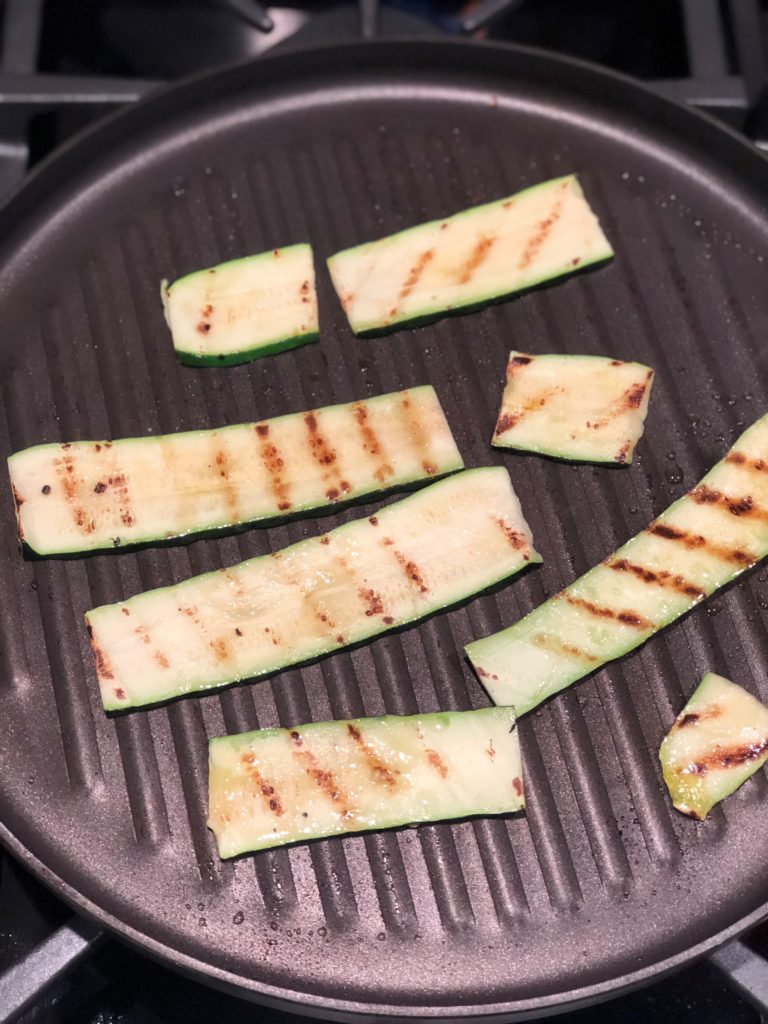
[(601, 885)]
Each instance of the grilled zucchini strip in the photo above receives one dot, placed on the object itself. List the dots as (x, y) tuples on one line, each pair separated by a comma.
[(585, 408), (703, 541), (716, 743), (469, 259), (421, 554), (88, 495), (243, 309), (277, 786)]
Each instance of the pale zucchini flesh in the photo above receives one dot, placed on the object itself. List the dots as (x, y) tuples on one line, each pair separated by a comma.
[(703, 541), (476, 256), (243, 309), (584, 408), (428, 551), (716, 743), (278, 786), (88, 495)]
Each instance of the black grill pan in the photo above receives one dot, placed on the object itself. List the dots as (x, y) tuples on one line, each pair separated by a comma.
[(601, 885)]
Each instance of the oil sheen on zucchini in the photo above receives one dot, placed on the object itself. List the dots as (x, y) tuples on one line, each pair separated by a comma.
[(92, 495), (702, 542), (277, 786), (415, 557), (471, 258), (717, 741), (585, 408), (243, 309)]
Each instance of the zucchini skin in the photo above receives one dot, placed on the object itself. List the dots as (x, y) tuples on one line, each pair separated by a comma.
[(715, 744), (703, 541), (370, 576), (272, 787), (379, 444), (246, 355), (591, 249)]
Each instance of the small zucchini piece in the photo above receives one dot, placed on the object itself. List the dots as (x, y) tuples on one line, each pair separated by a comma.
[(703, 541), (243, 309), (277, 786), (415, 557), (584, 408), (717, 741), (96, 495), (472, 258)]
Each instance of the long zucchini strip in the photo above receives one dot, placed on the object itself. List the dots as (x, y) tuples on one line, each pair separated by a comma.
[(92, 495), (703, 541), (474, 257), (243, 309), (716, 743), (430, 550), (277, 786)]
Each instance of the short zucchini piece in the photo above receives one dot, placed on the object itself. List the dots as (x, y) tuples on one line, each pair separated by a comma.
[(584, 408), (278, 786), (474, 257), (703, 541), (243, 309), (430, 550), (89, 496), (718, 740)]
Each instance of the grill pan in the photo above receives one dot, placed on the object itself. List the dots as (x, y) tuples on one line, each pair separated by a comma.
[(601, 885)]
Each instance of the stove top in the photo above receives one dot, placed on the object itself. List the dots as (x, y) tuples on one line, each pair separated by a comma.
[(61, 66)]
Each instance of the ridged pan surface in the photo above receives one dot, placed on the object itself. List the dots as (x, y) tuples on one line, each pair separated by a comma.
[(601, 884)]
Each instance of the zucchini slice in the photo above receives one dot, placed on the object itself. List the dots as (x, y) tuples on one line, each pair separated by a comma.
[(474, 257), (414, 557), (585, 408), (278, 786), (88, 495), (701, 542), (717, 741), (243, 309)]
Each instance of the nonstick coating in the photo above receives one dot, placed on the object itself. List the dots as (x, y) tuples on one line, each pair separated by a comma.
[(601, 884)]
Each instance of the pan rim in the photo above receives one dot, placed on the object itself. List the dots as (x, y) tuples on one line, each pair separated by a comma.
[(90, 144)]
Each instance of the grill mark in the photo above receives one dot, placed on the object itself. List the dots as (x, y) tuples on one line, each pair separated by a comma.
[(626, 617), (727, 757), (416, 433), (509, 419), (517, 785), (379, 769), (478, 256), (543, 228), (325, 456), (437, 762), (412, 279), (221, 464), (274, 465), (744, 506), (371, 600), (412, 572), (65, 471), (104, 671), (631, 399), (370, 440), (659, 578), (517, 540), (547, 642), (161, 659), (322, 777), (739, 459), (693, 541), (263, 786)]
